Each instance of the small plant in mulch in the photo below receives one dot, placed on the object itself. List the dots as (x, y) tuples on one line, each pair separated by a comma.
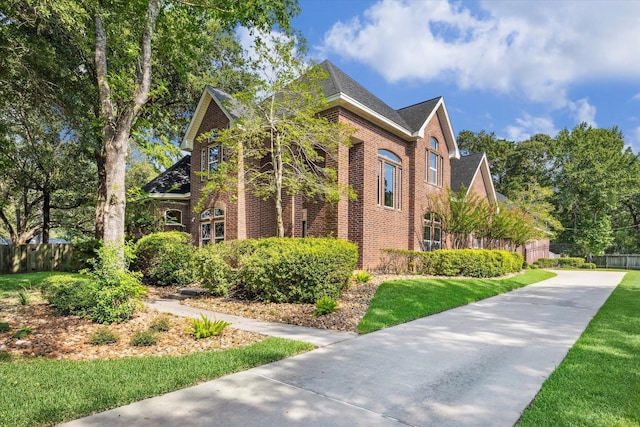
[(23, 296), (5, 356), (22, 332), (205, 327), (144, 338), (4, 327), (325, 305), (103, 336), (160, 324), (361, 277)]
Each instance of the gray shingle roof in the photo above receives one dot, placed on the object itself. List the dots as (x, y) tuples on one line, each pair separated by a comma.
[(175, 180), (463, 170), (410, 118)]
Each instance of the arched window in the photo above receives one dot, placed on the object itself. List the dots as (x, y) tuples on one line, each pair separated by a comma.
[(389, 180), (212, 228), (433, 163), (432, 232), (173, 216)]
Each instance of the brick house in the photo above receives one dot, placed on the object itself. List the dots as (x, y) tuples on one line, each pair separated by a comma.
[(397, 159)]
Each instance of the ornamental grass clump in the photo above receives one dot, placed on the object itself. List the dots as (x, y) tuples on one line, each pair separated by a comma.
[(205, 327), (325, 305), (103, 336)]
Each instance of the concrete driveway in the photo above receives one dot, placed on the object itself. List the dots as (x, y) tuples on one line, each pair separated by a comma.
[(478, 365)]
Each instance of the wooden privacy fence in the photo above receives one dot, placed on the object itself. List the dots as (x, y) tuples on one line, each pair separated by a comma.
[(627, 262), (31, 258)]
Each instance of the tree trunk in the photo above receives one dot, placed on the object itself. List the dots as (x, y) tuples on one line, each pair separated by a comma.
[(101, 195), (46, 216), (277, 166), (115, 202)]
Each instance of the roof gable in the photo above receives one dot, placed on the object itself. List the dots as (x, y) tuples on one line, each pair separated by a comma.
[(223, 100), (467, 169)]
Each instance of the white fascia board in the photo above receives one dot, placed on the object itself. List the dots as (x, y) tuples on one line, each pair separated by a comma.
[(346, 101), (488, 178), (170, 196), (441, 110)]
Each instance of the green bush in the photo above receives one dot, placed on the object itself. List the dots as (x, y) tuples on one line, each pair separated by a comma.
[(165, 258), (588, 266), (297, 270), (160, 324), (103, 336), (4, 327), (205, 328), (70, 294), (144, 338), (470, 263), (83, 254), (212, 270), (110, 293), (361, 277), (562, 262), (325, 305)]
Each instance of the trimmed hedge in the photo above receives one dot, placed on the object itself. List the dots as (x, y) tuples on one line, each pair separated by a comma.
[(454, 262), (213, 270), (292, 269), (165, 258), (563, 262)]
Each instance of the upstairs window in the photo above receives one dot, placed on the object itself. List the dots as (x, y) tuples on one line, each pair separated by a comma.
[(434, 163), (389, 180)]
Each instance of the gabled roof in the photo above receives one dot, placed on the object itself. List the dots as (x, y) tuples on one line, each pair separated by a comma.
[(340, 89), (466, 169), (210, 94), (408, 122), (173, 183)]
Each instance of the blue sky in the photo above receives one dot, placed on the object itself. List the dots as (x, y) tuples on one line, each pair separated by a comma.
[(515, 68)]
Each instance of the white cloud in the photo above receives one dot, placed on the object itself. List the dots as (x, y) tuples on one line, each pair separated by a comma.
[(636, 97), (533, 48), (583, 112), (528, 125)]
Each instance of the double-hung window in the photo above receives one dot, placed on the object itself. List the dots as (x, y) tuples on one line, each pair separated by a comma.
[(212, 228), (434, 164), (389, 180)]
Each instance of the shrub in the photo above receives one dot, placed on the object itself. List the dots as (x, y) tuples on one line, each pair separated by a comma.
[(325, 305), (165, 258), (205, 328), (297, 270), (102, 336), (83, 254), (70, 294), (214, 273), (4, 327), (361, 277), (108, 294), (588, 266), (22, 332), (563, 262), (144, 338), (400, 261), (470, 263), (160, 324)]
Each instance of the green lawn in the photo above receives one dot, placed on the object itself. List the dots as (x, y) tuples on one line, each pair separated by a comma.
[(598, 383), (10, 284), (400, 301), (42, 391)]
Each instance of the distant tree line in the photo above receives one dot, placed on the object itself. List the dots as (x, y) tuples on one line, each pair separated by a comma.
[(586, 178)]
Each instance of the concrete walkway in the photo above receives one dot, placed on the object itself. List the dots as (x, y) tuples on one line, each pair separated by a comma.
[(478, 365)]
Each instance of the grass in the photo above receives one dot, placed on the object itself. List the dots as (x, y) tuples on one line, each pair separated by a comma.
[(598, 383), (400, 301), (37, 392), (11, 284)]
